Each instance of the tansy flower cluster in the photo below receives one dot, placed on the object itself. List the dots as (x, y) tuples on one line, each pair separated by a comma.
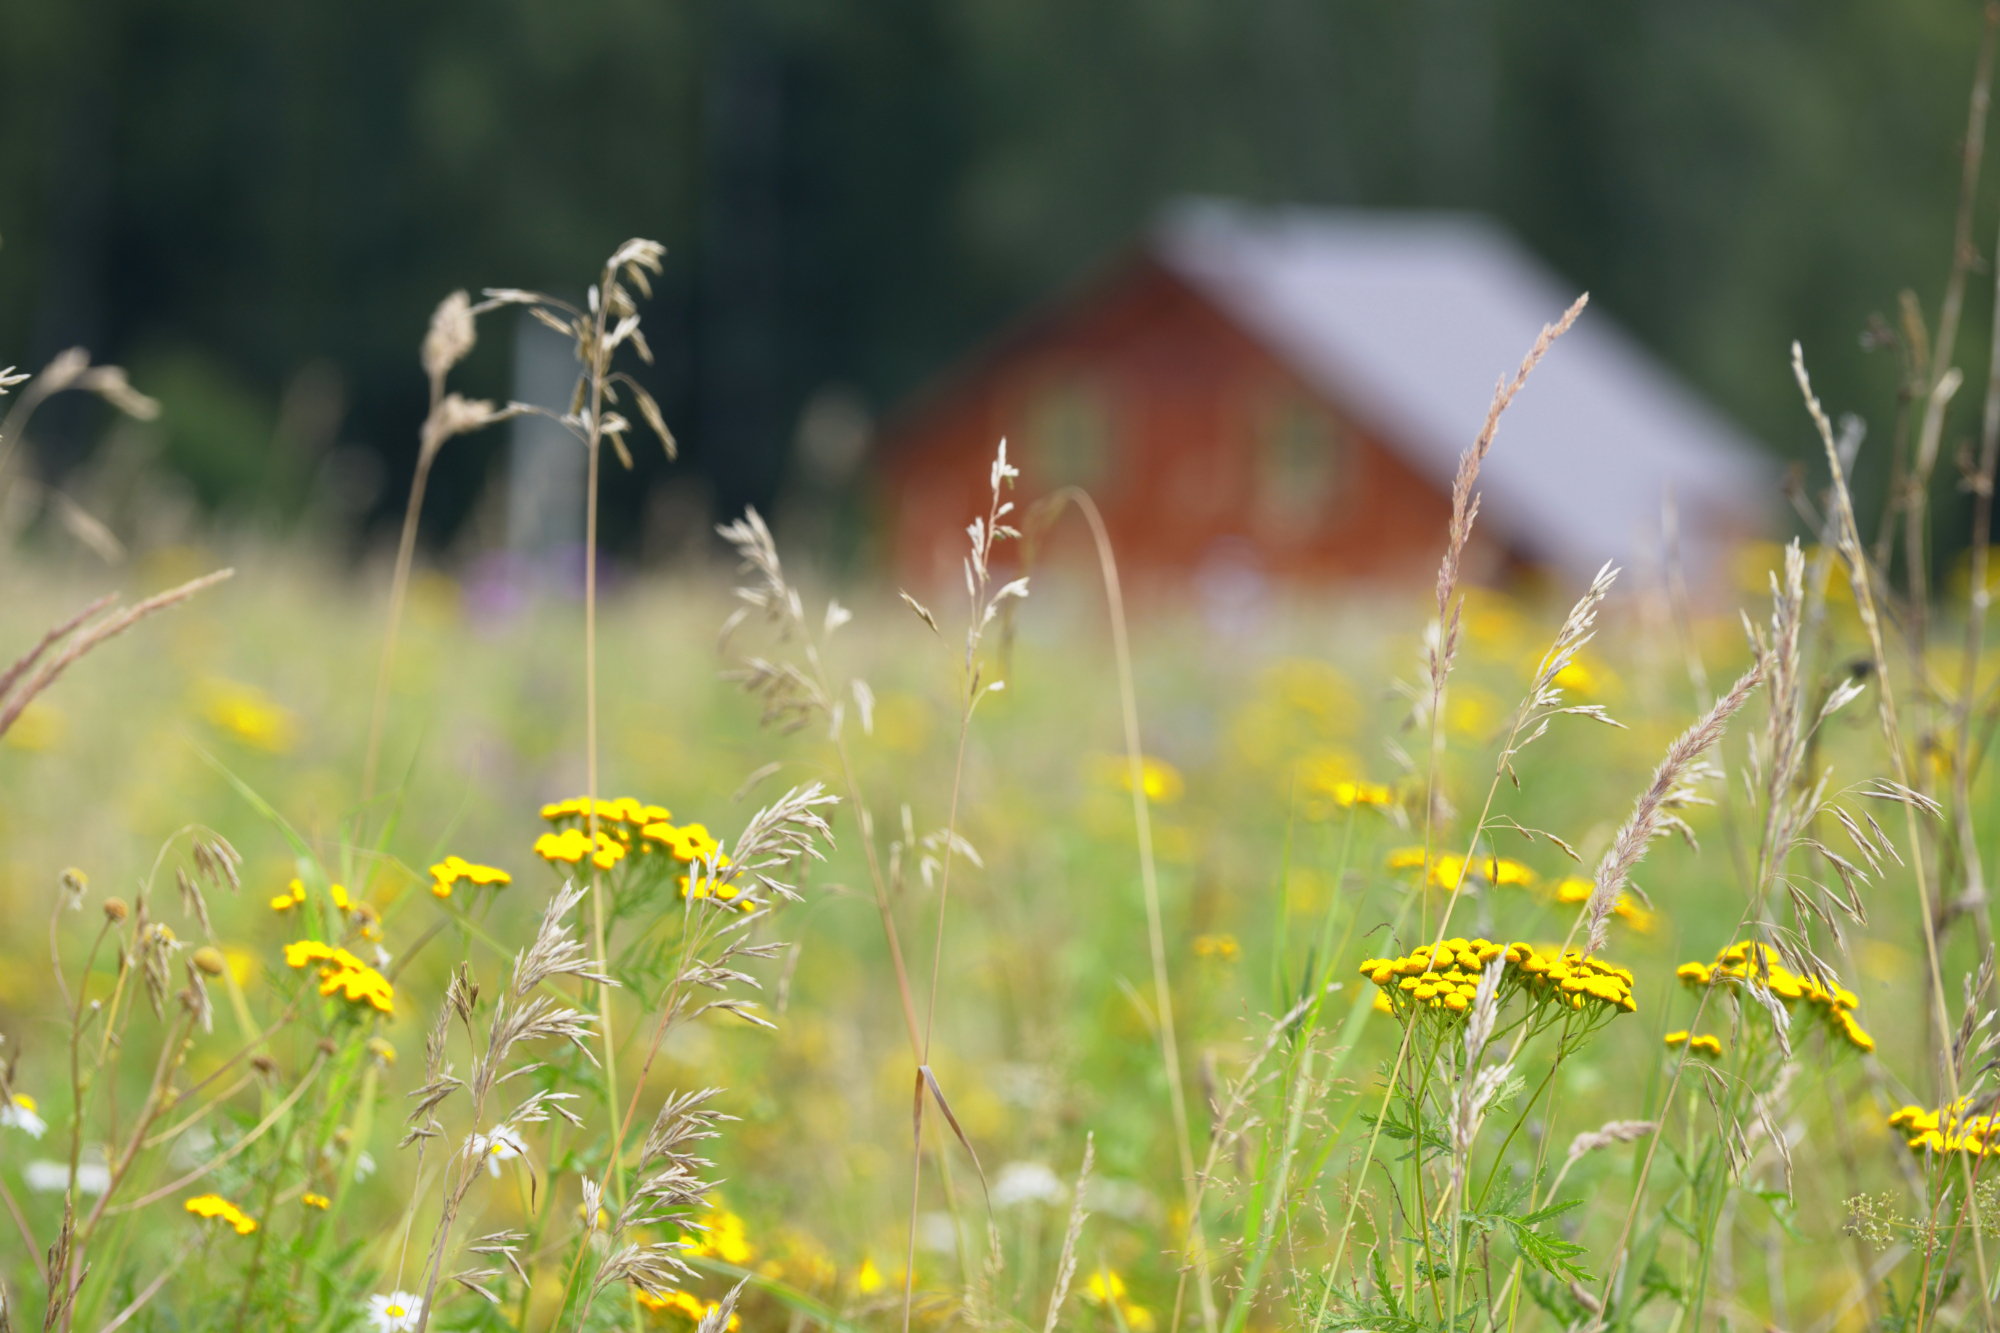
[(689, 1306), (626, 825), (1697, 1045), (455, 868), (214, 1205), (1447, 868), (1947, 1129), (1447, 977), (1739, 963), (341, 971)]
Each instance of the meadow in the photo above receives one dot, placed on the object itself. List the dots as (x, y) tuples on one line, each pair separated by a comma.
[(1284, 776), (397, 951)]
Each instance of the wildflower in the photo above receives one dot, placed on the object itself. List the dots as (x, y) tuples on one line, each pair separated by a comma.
[(214, 1205), (19, 1113), (1446, 978), (250, 716), (687, 843), (1947, 1129), (382, 1050), (1701, 1045), (1575, 890), (1026, 1182), (1447, 869), (504, 1144), (1106, 1288), (294, 894), (867, 1278), (722, 889), (455, 868), (572, 844), (1744, 962), (687, 1305), (341, 971), (1223, 947), (319, 1201), (623, 810), (397, 1312), (722, 1237)]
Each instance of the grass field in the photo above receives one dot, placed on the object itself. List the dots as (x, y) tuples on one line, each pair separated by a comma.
[(1046, 1028)]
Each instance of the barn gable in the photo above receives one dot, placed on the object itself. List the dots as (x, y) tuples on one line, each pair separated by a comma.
[(1293, 387)]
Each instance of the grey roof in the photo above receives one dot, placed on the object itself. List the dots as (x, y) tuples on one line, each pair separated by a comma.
[(1407, 320)]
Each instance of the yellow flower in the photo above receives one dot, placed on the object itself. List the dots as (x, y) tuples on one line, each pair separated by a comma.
[(1106, 1288), (250, 716), (1574, 890), (721, 889), (214, 1205), (1448, 868), (1747, 962), (341, 902), (455, 868), (341, 971), (623, 810), (867, 1278), (1223, 947), (1160, 780), (689, 1307), (722, 1237), (294, 894), (39, 727), (572, 843), (1445, 977), (686, 843), (319, 1201)]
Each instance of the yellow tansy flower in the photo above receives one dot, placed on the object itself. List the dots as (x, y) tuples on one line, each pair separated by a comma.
[(214, 1205)]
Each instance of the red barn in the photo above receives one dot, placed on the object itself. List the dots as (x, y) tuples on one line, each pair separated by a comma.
[(1291, 389)]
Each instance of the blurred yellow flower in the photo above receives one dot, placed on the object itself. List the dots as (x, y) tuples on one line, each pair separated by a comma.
[(867, 1278), (1576, 890), (294, 894), (250, 716), (39, 727), (1106, 1289), (342, 971), (1223, 947), (214, 1205), (690, 1307), (319, 1201), (455, 868), (722, 1236), (1160, 780), (572, 843), (686, 843)]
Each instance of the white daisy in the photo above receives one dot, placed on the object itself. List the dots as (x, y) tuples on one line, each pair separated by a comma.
[(502, 1145), (20, 1114), (397, 1312)]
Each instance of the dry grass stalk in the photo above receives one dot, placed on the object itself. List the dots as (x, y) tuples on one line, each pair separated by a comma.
[(80, 639), (1654, 813)]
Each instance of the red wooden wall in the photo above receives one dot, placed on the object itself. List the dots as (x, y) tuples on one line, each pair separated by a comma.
[(1197, 444)]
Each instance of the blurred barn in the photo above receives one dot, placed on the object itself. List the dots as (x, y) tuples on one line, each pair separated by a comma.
[(1290, 389)]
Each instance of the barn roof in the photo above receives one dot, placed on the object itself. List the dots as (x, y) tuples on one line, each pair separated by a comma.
[(1407, 319)]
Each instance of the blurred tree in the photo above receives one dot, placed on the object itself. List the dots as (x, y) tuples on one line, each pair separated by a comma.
[(853, 193)]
